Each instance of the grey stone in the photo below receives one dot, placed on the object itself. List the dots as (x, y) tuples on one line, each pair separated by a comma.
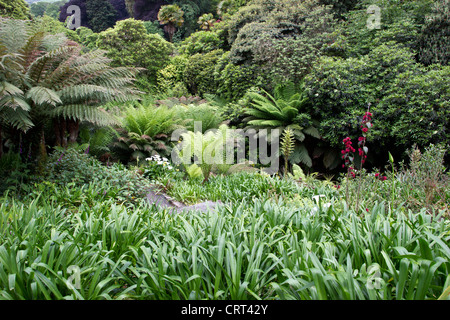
[(162, 200)]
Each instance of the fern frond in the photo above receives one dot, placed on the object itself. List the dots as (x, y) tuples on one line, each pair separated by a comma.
[(82, 112), (42, 95), (301, 155)]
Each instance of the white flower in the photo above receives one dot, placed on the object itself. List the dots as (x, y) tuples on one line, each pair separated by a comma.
[(316, 198)]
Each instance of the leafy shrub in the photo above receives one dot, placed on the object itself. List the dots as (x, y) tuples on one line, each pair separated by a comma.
[(282, 110), (157, 167), (201, 42), (72, 167), (204, 113), (340, 90), (416, 108), (207, 149), (172, 75), (16, 9), (283, 38), (146, 131), (13, 172), (434, 38), (199, 72), (234, 80), (129, 44)]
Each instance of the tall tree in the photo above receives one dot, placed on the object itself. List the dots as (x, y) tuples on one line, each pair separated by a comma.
[(52, 83), (129, 44), (171, 16), (101, 14)]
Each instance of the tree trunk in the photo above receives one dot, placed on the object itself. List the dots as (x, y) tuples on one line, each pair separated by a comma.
[(63, 125), (42, 151), (73, 127), (57, 131), (1, 142), (60, 129), (170, 29)]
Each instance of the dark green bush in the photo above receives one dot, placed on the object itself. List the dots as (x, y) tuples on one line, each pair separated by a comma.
[(341, 89), (434, 38), (199, 72)]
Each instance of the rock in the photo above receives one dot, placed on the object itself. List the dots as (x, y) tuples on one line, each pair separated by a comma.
[(162, 200)]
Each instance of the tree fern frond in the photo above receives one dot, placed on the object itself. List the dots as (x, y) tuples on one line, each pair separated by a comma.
[(17, 118), (301, 155), (81, 112), (42, 95), (312, 131), (13, 34)]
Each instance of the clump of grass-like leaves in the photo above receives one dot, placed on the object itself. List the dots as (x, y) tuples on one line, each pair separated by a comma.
[(255, 249)]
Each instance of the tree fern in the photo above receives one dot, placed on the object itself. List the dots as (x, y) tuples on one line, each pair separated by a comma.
[(283, 111), (56, 81), (207, 149)]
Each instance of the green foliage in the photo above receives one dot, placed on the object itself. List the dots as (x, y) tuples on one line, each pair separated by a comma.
[(199, 74), (434, 38), (87, 37), (234, 80), (16, 9), (147, 131), (129, 44), (60, 82), (207, 149), (153, 27), (156, 168), (51, 9), (51, 25), (285, 109), (287, 147), (228, 7), (420, 185), (422, 99), (248, 249), (171, 76), (401, 22), (346, 86), (201, 42), (206, 21), (98, 139), (14, 172), (205, 114), (73, 166), (282, 38), (171, 16), (101, 15), (191, 12)]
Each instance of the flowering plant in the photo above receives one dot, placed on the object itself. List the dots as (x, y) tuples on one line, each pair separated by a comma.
[(157, 167)]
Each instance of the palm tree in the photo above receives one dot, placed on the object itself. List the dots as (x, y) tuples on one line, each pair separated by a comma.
[(283, 111), (172, 17), (53, 83), (206, 21)]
